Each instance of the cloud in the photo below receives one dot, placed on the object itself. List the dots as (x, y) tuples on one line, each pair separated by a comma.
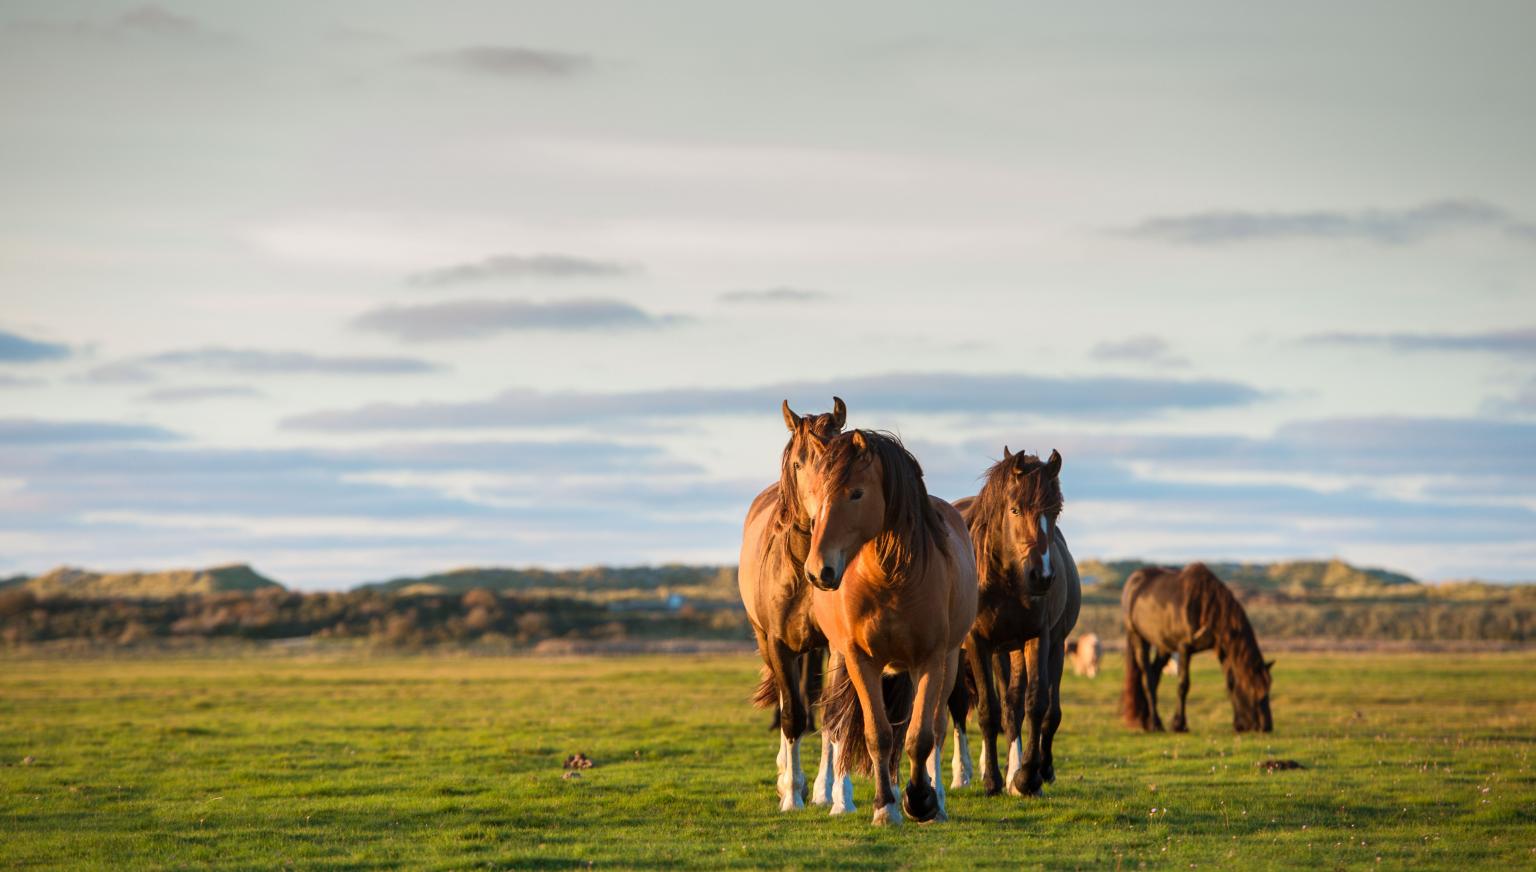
[(199, 393), (123, 372), (510, 62), (11, 381), (1384, 226), (33, 431), (775, 295), (1521, 341), (19, 349), (1106, 397), (471, 319), (1522, 402), (1144, 349), (512, 266), (262, 362), (148, 22)]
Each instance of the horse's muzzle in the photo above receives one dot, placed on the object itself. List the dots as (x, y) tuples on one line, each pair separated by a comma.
[(828, 580)]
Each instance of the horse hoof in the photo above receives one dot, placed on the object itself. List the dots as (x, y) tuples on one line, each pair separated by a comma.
[(1023, 785), (791, 803), (920, 802), (888, 815), (959, 783), (1048, 774)]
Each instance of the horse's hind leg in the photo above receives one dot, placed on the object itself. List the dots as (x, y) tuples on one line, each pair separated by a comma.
[(834, 787), (1151, 671), (959, 701), (1179, 724), (1154, 677)]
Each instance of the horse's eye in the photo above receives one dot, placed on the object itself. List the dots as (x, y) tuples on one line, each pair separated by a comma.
[(858, 494), (1014, 510), (797, 466)]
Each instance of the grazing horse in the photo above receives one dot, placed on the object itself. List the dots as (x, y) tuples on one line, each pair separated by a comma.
[(1030, 596), (895, 590), (1169, 612), (774, 542), (1084, 654)]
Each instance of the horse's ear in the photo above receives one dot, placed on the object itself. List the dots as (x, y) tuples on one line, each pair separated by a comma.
[(1018, 463), (1007, 455), (791, 420), (1053, 466), (859, 441), (839, 412), (1268, 665)]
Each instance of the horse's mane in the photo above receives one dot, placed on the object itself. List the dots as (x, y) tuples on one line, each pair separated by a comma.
[(912, 525), (989, 513), (1235, 639)]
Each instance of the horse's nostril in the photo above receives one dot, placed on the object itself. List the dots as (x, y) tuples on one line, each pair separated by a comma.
[(827, 575)]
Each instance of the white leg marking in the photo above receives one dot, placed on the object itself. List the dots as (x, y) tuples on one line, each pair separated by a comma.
[(1015, 761), (936, 775), (789, 760), (821, 791), (842, 789), (888, 814), (960, 764)]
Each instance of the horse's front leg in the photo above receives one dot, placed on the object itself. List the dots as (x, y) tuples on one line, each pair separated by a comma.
[(921, 798), (1180, 725), (865, 675), (1013, 718), (791, 778), (1053, 713), (1037, 662)]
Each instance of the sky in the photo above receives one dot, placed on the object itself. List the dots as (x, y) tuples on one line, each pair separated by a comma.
[(358, 290)]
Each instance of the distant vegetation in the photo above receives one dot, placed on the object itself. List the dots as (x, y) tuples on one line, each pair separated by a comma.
[(522, 609)]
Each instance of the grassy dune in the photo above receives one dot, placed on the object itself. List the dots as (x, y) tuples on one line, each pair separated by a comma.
[(1420, 760)]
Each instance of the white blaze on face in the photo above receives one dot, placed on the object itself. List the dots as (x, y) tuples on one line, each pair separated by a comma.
[(1045, 556)]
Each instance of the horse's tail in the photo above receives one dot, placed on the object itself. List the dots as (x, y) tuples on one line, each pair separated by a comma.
[(1133, 703), (842, 717), (767, 693)]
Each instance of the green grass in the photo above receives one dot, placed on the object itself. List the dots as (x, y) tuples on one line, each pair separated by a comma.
[(451, 763)]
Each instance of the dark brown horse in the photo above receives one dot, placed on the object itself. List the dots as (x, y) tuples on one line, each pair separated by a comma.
[(774, 542), (1030, 596), (895, 591), (1169, 612)]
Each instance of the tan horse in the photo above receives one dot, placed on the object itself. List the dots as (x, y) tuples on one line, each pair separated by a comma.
[(895, 590), (1084, 654), (771, 576), (1030, 596)]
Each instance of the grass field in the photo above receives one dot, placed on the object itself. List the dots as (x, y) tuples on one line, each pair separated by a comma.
[(434, 762)]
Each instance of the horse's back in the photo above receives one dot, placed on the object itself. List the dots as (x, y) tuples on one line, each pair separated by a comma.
[(964, 594), (754, 533), (1159, 604)]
